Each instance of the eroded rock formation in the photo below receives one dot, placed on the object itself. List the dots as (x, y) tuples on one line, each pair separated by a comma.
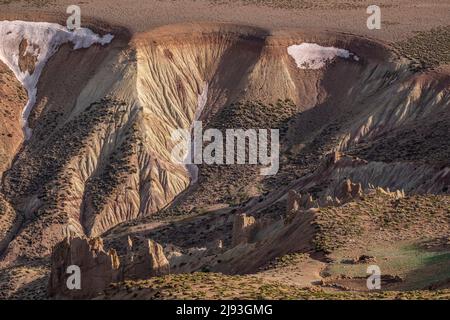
[(298, 202), (98, 268), (147, 260), (349, 191)]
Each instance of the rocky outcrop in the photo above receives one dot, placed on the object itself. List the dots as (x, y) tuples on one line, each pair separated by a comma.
[(300, 202), (349, 191), (345, 192), (398, 194), (98, 268), (243, 227), (413, 177), (333, 158), (330, 202), (145, 261)]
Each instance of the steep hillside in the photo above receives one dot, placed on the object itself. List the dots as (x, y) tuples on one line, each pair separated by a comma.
[(354, 118)]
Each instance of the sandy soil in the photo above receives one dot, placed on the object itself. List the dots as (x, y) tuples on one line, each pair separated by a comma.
[(399, 20)]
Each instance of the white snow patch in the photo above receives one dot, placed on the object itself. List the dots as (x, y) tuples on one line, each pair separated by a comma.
[(313, 56), (43, 39)]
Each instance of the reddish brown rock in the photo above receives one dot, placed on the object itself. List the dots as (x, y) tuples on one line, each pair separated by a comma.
[(349, 191), (97, 268)]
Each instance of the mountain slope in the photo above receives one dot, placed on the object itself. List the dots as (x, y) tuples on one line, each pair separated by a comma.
[(98, 160)]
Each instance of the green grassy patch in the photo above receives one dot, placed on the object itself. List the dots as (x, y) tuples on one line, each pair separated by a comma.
[(418, 267)]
